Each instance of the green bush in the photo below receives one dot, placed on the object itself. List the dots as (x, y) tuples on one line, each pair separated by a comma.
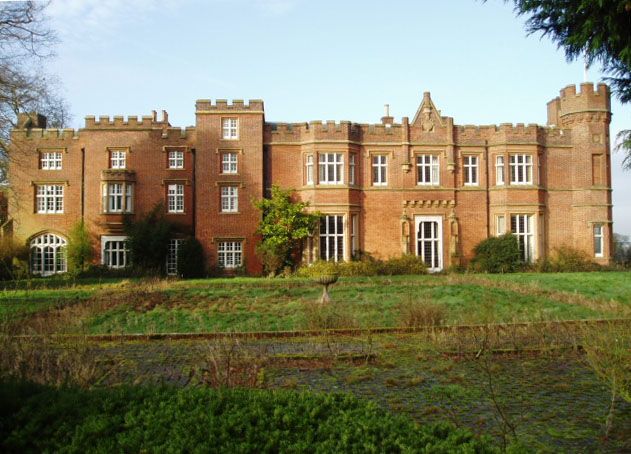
[(405, 264), (566, 259), (79, 250), (136, 419), (497, 255), (190, 259), (148, 241), (13, 259), (367, 266)]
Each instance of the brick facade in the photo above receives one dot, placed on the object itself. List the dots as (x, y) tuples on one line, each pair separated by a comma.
[(425, 186)]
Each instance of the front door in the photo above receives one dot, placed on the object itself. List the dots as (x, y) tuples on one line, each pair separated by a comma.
[(429, 241)]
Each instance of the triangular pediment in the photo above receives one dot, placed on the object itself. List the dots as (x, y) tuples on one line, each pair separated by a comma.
[(428, 116)]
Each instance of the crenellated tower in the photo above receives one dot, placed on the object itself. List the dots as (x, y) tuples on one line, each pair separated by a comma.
[(585, 115)]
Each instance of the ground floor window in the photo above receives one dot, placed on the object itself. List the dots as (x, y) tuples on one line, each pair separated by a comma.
[(174, 246), (522, 228), (332, 238), (114, 251), (230, 254), (48, 254), (599, 240), (429, 242)]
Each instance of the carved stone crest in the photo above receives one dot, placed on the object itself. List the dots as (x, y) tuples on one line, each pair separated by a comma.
[(426, 121)]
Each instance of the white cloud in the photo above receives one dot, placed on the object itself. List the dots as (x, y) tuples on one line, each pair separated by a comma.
[(81, 21)]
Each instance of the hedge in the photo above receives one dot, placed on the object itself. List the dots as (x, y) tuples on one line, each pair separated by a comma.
[(36, 418)]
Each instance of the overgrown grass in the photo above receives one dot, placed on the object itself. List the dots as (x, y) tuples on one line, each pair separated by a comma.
[(255, 304)]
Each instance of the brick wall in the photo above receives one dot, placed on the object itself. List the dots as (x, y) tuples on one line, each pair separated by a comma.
[(569, 192)]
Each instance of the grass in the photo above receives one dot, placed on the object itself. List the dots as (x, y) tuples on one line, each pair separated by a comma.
[(256, 304)]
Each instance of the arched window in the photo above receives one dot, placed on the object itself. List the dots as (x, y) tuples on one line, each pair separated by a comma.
[(48, 254)]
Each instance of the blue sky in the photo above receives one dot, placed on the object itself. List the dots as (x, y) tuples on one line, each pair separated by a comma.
[(316, 60)]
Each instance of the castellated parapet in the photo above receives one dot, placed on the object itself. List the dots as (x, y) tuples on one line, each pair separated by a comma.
[(130, 122), (236, 105), (586, 100)]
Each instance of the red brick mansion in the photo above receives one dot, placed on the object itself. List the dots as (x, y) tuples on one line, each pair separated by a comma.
[(424, 186)]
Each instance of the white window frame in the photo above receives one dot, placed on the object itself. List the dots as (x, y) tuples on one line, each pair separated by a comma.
[(599, 240), (499, 170), (332, 240), (351, 168), (48, 254), (427, 170), (176, 159), (229, 199), (380, 170), (229, 162), (523, 227), (230, 254), (117, 197), (436, 241), (230, 128), (171, 260), (50, 160), (49, 198), (520, 169), (118, 159), (331, 168), (117, 246), (471, 170), (309, 169), (175, 198)]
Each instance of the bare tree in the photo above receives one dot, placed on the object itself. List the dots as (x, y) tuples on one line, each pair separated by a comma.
[(26, 44)]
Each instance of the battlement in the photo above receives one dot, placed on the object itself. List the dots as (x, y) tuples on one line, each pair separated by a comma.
[(331, 130), (178, 133), (587, 99), (222, 105), (50, 133), (131, 122), (284, 132)]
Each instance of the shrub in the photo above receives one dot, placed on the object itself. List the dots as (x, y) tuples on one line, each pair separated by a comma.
[(566, 259), (144, 419), (190, 259), (416, 314), (497, 255), (79, 250), (148, 240), (13, 259), (405, 264), (367, 266), (327, 316)]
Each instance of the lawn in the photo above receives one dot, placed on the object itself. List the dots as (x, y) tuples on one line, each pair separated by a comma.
[(543, 385), (258, 304)]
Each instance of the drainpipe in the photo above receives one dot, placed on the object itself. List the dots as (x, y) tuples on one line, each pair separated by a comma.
[(486, 189), (82, 184), (193, 155)]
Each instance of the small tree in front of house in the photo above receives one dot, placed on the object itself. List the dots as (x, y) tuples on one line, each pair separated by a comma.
[(148, 240), (283, 227), (79, 249)]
